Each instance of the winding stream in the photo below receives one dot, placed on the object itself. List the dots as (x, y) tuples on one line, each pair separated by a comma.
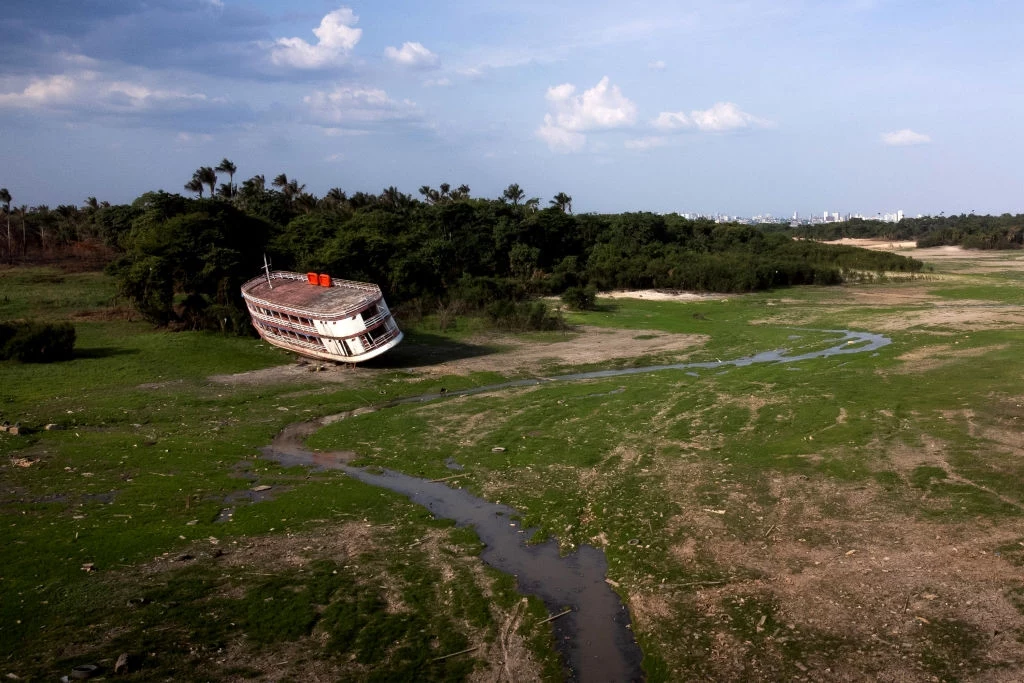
[(595, 638)]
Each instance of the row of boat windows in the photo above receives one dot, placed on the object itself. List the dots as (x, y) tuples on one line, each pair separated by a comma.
[(281, 332), (284, 316)]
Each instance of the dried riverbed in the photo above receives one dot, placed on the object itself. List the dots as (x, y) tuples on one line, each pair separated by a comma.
[(594, 637)]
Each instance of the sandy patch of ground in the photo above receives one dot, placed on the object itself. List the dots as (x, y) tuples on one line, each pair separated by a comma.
[(877, 244), (982, 260), (933, 313), (517, 356), (934, 356), (664, 295), (586, 345)]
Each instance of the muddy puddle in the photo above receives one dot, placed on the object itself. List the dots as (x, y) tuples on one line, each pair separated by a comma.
[(595, 637)]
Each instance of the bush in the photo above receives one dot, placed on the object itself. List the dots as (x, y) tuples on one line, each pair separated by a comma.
[(581, 298), (521, 316), (37, 343)]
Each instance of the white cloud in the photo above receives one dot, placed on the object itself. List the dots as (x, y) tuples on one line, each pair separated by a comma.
[(724, 116), (602, 107), (645, 143), (336, 38), (437, 82), (656, 65), (721, 117), (905, 137), (346, 107), (91, 90), (412, 55), (40, 92), (560, 139), (672, 120)]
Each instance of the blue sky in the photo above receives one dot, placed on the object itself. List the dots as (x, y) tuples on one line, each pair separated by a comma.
[(712, 106)]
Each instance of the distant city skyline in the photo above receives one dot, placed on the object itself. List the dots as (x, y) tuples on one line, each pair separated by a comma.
[(762, 106)]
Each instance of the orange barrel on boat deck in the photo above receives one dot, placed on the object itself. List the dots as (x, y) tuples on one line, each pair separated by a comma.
[(325, 280), (313, 278)]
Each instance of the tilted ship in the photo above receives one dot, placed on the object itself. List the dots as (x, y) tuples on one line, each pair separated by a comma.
[(320, 317)]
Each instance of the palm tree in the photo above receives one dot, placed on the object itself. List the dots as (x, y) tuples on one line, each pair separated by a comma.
[(305, 202), (532, 204), (254, 185), (5, 197), (360, 199), (461, 192), (514, 194), (228, 167), (91, 204), (563, 202), (335, 199), (207, 176), (430, 194), (289, 188), (195, 185), (394, 198)]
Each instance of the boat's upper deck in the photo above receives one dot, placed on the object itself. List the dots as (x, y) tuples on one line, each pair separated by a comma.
[(292, 291)]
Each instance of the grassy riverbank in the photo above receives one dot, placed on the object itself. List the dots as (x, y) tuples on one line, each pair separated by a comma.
[(855, 516)]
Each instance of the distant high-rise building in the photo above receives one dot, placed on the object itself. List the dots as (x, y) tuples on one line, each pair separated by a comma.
[(899, 215)]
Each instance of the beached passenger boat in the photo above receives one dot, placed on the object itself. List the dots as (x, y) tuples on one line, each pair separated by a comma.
[(317, 316)]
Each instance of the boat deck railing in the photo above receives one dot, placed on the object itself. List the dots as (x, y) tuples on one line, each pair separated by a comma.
[(294, 342), (370, 322), (386, 338), (372, 294), (291, 324)]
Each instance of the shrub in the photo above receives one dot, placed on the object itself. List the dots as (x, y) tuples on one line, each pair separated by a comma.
[(37, 343), (522, 316), (581, 298)]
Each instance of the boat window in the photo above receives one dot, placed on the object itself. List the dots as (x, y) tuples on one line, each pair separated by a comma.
[(370, 312), (377, 332)]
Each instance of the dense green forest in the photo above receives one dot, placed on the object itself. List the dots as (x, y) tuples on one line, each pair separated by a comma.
[(966, 230), (182, 260)]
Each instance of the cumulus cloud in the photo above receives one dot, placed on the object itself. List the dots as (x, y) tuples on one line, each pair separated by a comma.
[(720, 118), (559, 139), (346, 107), (905, 137), (412, 55), (603, 107), (645, 143), (336, 38)]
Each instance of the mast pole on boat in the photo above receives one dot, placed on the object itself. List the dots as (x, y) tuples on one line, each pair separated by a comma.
[(266, 269)]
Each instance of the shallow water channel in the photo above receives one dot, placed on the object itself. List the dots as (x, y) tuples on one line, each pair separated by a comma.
[(595, 638)]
